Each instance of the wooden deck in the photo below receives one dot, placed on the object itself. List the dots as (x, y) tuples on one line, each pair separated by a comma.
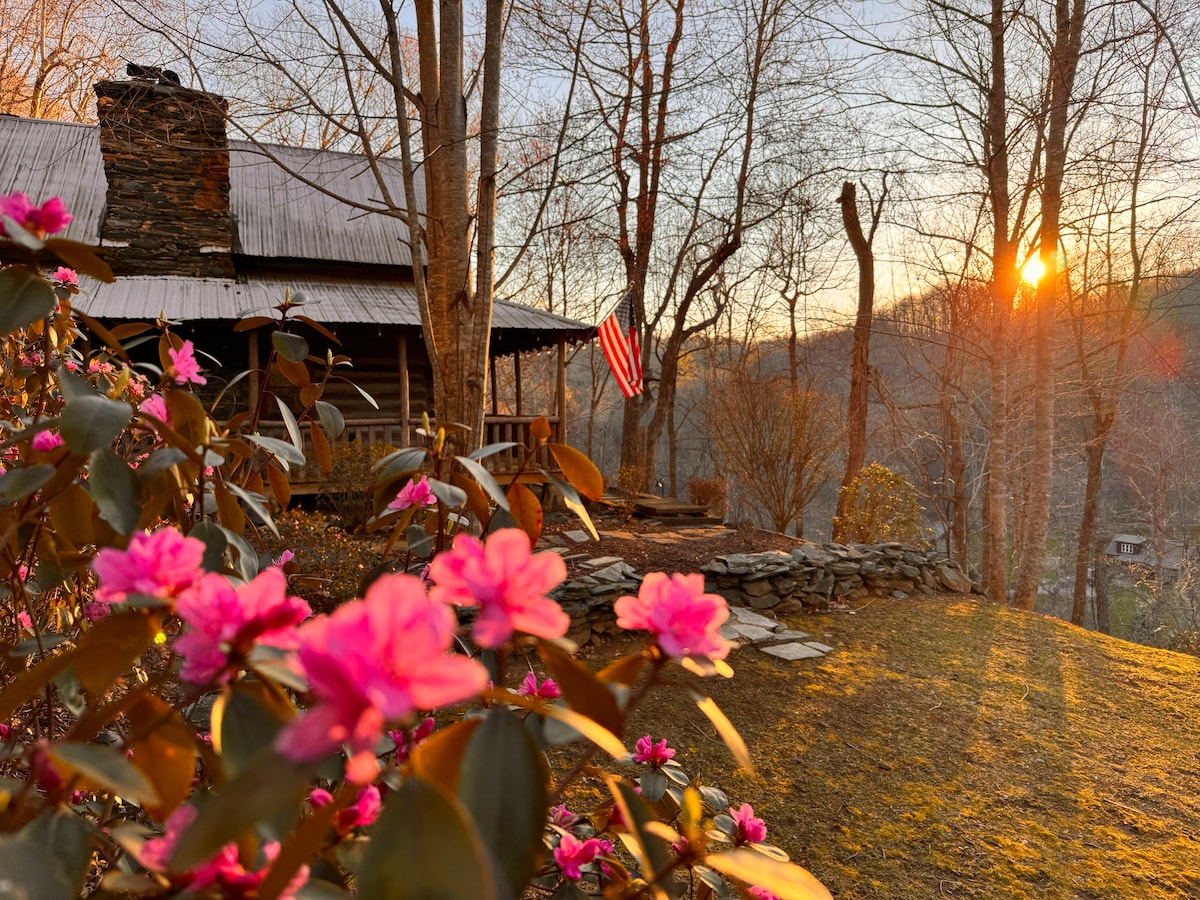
[(395, 434)]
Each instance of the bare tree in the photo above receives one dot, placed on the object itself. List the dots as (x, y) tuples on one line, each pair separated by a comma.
[(777, 441)]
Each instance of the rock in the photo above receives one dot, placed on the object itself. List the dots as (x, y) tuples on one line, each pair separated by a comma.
[(791, 634), (821, 648), (953, 578), (751, 633), (743, 616), (579, 537), (600, 562), (756, 588), (793, 651), (766, 601)]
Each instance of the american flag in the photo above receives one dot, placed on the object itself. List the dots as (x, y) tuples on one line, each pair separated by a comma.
[(619, 340)]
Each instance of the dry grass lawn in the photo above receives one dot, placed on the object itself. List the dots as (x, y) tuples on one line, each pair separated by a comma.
[(951, 748)]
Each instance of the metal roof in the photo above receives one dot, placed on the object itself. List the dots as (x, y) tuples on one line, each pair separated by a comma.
[(277, 214), (328, 300)]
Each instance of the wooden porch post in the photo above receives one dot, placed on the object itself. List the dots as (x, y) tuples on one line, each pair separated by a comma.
[(404, 398), (495, 386), (560, 390), (252, 337), (517, 375)]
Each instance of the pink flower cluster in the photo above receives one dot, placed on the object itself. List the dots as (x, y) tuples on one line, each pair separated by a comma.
[(652, 754), (506, 581), (227, 621), (45, 441), (224, 872), (374, 661), (750, 828), (547, 690), (49, 218), (683, 619), (572, 854), (363, 812), (761, 893), (184, 366), (64, 277), (409, 739), (415, 493), (160, 564)]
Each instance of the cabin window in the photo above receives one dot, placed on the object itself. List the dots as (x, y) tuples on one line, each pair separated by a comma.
[(1123, 547)]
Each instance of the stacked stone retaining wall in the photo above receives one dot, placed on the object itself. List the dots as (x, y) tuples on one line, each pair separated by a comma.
[(811, 576)]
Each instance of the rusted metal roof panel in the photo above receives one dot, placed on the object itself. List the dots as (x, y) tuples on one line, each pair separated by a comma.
[(277, 214), (280, 214), (56, 159), (326, 300)]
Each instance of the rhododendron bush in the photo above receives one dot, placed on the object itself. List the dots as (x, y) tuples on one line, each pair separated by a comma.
[(176, 722)]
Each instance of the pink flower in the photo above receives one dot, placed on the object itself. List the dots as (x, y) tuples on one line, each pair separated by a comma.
[(684, 620), (5, 731), (415, 493), (761, 893), (64, 276), (224, 871), (24, 621), (547, 690), (507, 582), (652, 754), (319, 797), (95, 611), (408, 740), (750, 829), (49, 218), (374, 661), (161, 564), (156, 406), (226, 622), (562, 817), (362, 813), (572, 854), (184, 365), (45, 441), (283, 559)]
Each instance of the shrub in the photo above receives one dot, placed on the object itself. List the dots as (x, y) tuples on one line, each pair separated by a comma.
[(881, 505), (709, 493)]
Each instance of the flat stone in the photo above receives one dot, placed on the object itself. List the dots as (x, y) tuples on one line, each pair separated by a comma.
[(766, 601), (579, 537), (791, 634), (751, 633), (620, 535), (793, 651), (816, 645), (662, 539), (599, 562), (743, 616)]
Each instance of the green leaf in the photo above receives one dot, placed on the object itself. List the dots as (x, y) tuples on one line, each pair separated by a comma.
[(293, 427), (485, 480), (291, 347), (654, 785), (257, 506), (115, 488), (159, 461), (583, 690), (267, 792), (20, 235), (653, 851), (17, 484), (424, 848), (571, 499), (33, 869), (69, 839), (787, 880), (400, 462), (503, 784), (331, 418), (89, 421), (492, 449), (108, 769), (449, 494), (580, 471), (215, 543), (81, 258), (286, 453), (24, 298), (243, 725), (729, 734)]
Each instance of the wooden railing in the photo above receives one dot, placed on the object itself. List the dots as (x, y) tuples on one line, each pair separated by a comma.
[(393, 433)]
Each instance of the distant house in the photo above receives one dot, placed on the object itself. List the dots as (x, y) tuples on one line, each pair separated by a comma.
[(208, 230), (1135, 550)]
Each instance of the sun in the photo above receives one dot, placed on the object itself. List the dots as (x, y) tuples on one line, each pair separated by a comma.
[(1034, 270)]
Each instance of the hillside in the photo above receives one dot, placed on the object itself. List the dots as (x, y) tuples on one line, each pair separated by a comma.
[(951, 748)]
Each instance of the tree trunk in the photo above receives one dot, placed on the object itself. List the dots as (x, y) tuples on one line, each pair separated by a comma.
[(1064, 60), (860, 364), (1087, 523), (1100, 590)]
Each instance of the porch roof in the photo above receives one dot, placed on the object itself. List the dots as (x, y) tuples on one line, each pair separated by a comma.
[(331, 301)]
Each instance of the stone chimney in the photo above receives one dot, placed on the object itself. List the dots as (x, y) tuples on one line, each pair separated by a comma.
[(166, 158)]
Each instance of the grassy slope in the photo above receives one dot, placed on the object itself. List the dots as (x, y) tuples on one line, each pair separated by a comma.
[(956, 749)]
